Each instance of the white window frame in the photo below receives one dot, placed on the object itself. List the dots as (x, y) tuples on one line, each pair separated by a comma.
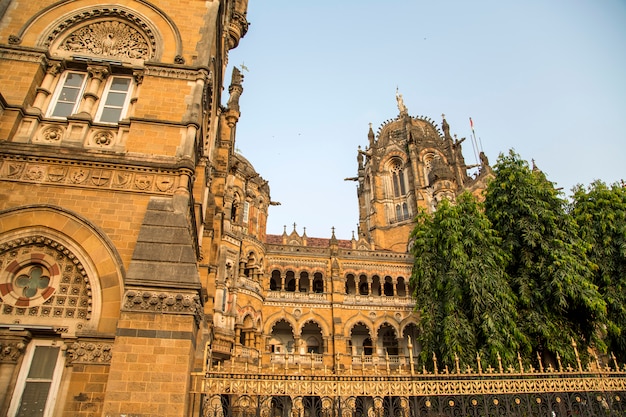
[(105, 93), (246, 211), (23, 376), (59, 88)]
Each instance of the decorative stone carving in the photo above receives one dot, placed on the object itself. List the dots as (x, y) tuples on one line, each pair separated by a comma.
[(172, 302), (100, 177), (109, 39), (11, 351), (89, 352), (99, 72), (143, 182), (56, 174), (51, 134), (78, 176), (35, 173), (103, 138)]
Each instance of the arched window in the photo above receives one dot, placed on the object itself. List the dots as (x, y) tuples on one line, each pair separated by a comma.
[(304, 282), (233, 211), (350, 284), (318, 283), (363, 286), (275, 280), (397, 177), (388, 287), (290, 282)]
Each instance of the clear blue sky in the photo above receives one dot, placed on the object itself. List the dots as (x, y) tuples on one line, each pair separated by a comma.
[(546, 78)]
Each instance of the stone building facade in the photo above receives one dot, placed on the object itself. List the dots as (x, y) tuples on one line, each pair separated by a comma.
[(133, 249)]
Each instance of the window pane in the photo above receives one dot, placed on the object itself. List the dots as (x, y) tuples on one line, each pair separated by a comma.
[(120, 84), (115, 99), (43, 363), (63, 109), (69, 94), (74, 80), (34, 399), (111, 115)]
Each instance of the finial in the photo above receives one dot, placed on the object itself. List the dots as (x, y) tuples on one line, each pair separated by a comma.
[(333, 230), (284, 228), (443, 115), (294, 226)]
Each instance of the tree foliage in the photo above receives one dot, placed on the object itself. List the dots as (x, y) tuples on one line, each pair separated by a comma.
[(465, 303), (600, 212), (549, 270)]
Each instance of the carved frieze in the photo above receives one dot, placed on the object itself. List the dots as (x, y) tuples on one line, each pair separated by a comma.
[(89, 353), (89, 175), (164, 302)]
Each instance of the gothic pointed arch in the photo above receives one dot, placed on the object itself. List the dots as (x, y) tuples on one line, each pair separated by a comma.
[(317, 319), (358, 319), (277, 317), (57, 267)]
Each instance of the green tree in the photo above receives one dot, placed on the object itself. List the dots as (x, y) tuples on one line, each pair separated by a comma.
[(549, 270), (600, 212), (465, 303)]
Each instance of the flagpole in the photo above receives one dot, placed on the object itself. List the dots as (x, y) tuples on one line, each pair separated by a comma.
[(474, 143)]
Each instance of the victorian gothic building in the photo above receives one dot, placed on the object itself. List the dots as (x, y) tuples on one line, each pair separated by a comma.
[(136, 275)]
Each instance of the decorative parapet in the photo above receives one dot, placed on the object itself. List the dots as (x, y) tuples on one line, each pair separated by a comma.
[(88, 352), (177, 302)]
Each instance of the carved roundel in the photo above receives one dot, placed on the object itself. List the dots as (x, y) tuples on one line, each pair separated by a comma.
[(29, 280)]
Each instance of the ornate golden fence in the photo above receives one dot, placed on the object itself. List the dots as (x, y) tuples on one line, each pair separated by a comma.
[(309, 392)]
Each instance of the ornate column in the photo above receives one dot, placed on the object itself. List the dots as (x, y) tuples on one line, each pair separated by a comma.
[(97, 74), (52, 71), (138, 76), (12, 347)]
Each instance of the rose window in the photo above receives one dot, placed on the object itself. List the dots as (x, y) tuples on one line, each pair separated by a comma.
[(33, 281)]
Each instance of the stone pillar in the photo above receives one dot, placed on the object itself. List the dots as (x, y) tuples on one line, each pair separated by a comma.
[(153, 353), (97, 74), (12, 347), (45, 90), (138, 77)]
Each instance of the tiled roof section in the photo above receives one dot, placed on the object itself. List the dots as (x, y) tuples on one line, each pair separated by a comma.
[(312, 242), (274, 239)]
